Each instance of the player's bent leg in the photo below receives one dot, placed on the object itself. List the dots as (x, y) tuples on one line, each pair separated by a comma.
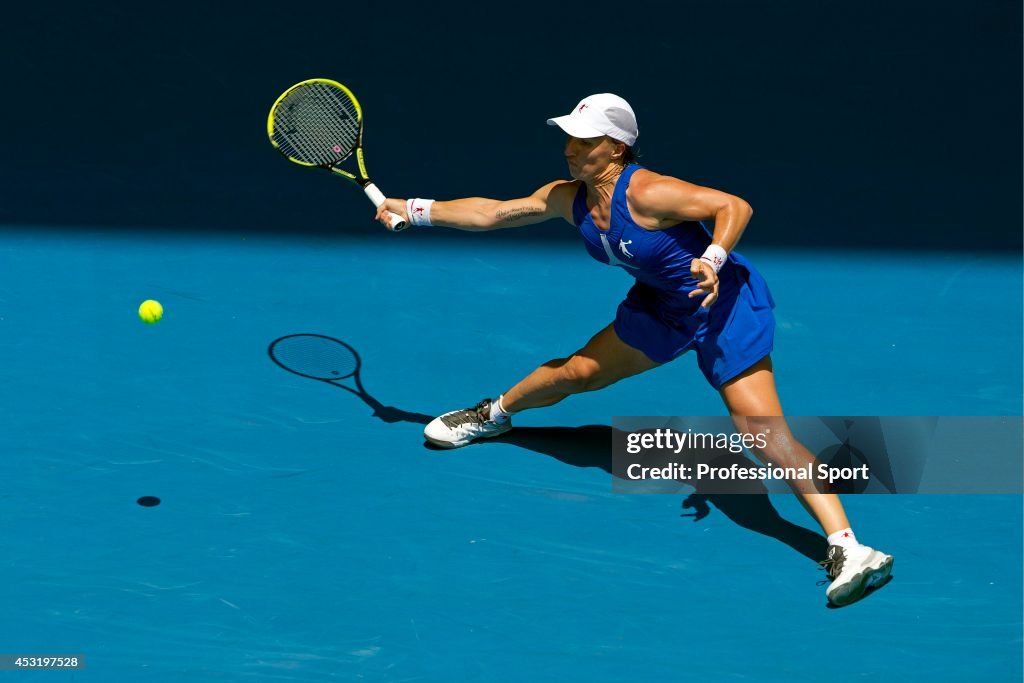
[(604, 360), (754, 405)]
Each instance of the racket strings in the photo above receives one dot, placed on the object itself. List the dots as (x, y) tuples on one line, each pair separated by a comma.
[(313, 137), (328, 137), (315, 356), (317, 114), (317, 123)]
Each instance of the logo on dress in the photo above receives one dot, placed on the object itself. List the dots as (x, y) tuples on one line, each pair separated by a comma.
[(622, 248), (612, 259), (582, 107)]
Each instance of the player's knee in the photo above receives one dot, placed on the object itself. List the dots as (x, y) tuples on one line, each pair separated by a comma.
[(770, 437), (758, 425), (581, 374)]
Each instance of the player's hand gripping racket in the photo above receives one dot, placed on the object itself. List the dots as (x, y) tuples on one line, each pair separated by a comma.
[(319, 123)]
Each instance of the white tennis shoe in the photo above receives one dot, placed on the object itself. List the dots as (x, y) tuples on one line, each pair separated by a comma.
[(853, 571), (461, 427)]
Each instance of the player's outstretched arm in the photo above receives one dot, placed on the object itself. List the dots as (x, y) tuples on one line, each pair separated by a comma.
[(554, 200)]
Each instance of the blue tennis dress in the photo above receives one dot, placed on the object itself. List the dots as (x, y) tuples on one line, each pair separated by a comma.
[(657, 317)]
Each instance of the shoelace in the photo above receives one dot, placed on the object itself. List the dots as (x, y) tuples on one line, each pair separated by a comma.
[(833, 566), (478, 414)]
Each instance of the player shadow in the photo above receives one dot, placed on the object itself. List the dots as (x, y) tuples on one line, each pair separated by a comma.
[(591, 446)]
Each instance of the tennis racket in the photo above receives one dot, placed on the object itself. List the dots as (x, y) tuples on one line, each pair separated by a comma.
[(319, 123)]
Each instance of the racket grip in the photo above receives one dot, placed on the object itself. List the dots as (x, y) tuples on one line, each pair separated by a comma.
[(377, 197)]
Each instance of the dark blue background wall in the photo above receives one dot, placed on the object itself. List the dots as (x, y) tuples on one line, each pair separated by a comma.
[(862, 123)]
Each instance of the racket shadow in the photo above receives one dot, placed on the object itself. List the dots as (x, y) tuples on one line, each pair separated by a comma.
[(332, 361)]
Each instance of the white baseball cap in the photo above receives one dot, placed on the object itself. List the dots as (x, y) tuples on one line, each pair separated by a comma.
[(597, 115)]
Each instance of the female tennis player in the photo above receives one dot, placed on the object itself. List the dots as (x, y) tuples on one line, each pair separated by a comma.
[(692, 292)]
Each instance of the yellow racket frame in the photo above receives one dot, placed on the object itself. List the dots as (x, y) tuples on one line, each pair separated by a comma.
[(359, 140)]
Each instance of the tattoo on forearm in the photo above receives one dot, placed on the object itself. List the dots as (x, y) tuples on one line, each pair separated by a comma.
[(508, 215)]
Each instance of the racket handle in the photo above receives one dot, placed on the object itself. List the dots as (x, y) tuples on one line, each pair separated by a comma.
[(377, 197)]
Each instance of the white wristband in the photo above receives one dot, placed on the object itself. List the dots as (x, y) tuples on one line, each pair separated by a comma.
[(419, 211), (715, 256)]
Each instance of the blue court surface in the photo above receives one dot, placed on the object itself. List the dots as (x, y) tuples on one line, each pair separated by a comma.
[(302, 538)]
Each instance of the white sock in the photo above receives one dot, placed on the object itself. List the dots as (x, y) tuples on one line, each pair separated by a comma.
[(498, 414), (843, 538)]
